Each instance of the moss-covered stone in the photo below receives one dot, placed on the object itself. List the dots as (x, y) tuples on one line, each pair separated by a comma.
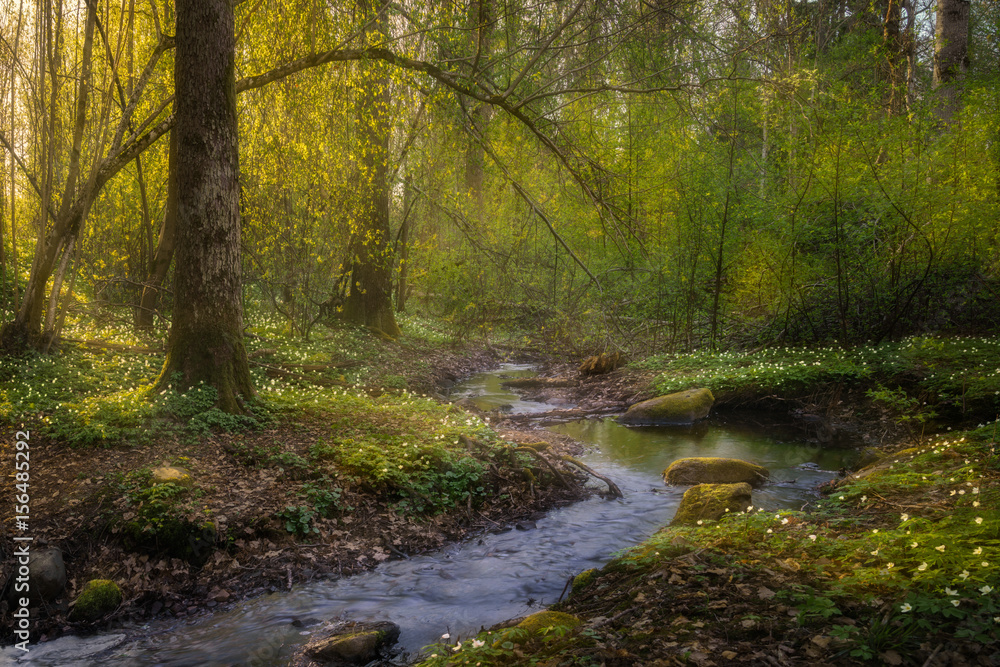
[(868, 456), (684, 407), (582, 580), (351, 643), (600, 364), (711, 502), (172, 475), (98, 598), (547, 619), (714, 470)]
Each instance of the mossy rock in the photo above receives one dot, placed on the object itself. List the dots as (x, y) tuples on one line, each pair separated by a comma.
[(172, 475), (98, 598), (582, 580), (547, 619), (714, 470), (868, 456), (711, 502), (351, 643), (684, 407), (47, 575), (600, 364)]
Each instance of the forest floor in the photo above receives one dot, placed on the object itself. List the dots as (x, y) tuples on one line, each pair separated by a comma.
[(278, 504)]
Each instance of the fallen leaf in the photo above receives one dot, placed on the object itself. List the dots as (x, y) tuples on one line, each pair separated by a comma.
[(891, 658)]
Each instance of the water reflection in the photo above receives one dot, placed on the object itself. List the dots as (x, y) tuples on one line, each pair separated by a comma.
[(487, 392), (797, 468)]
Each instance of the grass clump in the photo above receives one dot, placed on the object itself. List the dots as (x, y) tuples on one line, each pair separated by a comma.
[(428, 456)]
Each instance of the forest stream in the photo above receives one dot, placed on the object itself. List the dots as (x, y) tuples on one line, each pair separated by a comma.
[(485, 580)]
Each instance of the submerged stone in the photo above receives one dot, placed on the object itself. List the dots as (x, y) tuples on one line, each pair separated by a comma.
[(710, 502), (684, 407), (714, 470)]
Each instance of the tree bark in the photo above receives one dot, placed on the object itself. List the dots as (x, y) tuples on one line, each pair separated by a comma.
[(206, 337), (369, 297), (404, 245), (892, 46), (951, 55), (164, 254), (481, 22)]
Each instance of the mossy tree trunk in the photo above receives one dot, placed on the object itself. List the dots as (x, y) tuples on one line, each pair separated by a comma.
[(206, 334), (371, 267)]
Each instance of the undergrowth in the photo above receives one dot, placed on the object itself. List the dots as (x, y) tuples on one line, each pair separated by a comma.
[(425, 456), (954, 376)]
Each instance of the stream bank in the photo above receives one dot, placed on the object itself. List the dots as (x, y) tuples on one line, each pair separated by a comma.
[(619, 385), (897, 564), (285, 505), (467, 585)]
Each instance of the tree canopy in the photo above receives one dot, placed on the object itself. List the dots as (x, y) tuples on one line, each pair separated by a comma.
[(664, 175)]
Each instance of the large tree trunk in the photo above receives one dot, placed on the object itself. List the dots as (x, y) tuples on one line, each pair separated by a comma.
[(369, 298), (951, 54), (206, 336)]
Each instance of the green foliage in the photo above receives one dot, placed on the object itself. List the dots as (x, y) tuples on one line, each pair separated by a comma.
[(322, 500), (810, 605), (299, 519), (957, 376), (904, 408), (157, 518), (412, 448)]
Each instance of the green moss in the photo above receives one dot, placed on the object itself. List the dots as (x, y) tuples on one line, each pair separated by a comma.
[(582, 580), (711, 502), (714, 470), (547, 619), (682, 407), (539, 623), (98, 598)]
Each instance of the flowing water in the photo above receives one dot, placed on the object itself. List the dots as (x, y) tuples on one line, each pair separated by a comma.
[(492, 578)]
